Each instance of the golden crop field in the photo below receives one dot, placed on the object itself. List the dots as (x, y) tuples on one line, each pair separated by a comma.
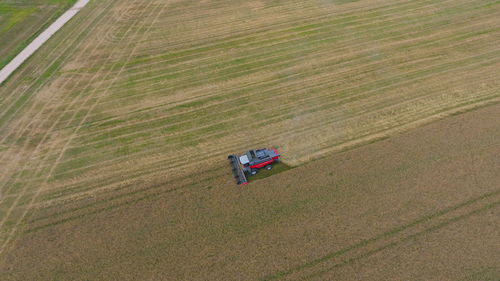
[(134, 98)]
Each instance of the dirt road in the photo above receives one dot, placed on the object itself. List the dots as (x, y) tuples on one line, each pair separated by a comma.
[(40, 40)]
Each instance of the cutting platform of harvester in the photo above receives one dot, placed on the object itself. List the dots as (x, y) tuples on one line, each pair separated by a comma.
[(251, 162)]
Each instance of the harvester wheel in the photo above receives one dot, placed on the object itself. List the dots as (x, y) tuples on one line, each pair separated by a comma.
[(269, 167), (253, 171)]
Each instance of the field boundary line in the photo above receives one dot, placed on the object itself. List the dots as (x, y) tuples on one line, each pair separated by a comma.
[(384, 133), (387, 235)]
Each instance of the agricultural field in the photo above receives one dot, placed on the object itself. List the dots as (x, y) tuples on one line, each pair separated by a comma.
[(22, 20), (114, 137), (422, 205)]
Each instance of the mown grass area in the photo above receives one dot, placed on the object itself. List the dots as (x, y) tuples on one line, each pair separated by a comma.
[(22, 21)]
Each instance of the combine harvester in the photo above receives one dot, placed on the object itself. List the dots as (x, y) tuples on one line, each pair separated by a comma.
[(251, 162)]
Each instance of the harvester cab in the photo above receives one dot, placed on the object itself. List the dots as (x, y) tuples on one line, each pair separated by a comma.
[(250, 162)]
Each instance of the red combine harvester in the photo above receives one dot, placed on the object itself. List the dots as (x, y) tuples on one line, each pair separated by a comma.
[(251, 162)]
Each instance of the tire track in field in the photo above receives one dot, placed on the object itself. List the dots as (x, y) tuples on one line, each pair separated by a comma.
[(233, 27), (272, 30), (300, 41), (173, 18), (15, 134), (258, 40), (66, 80), (223, 43), (10, 210), (156, 108), (414, 236), (149, 92), (170, 159), (226, 27), (389, 239), (49, 130), (47, 133), (74, 100), (118, 196), (322, 27), (180, 183), (59, 198), (115, 202), (232, 75), (326, 15), (32, 201), (114, 136), (135, 191), (163, 167), (160, 118), (301, 101), (24, 213), (29, 128)]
